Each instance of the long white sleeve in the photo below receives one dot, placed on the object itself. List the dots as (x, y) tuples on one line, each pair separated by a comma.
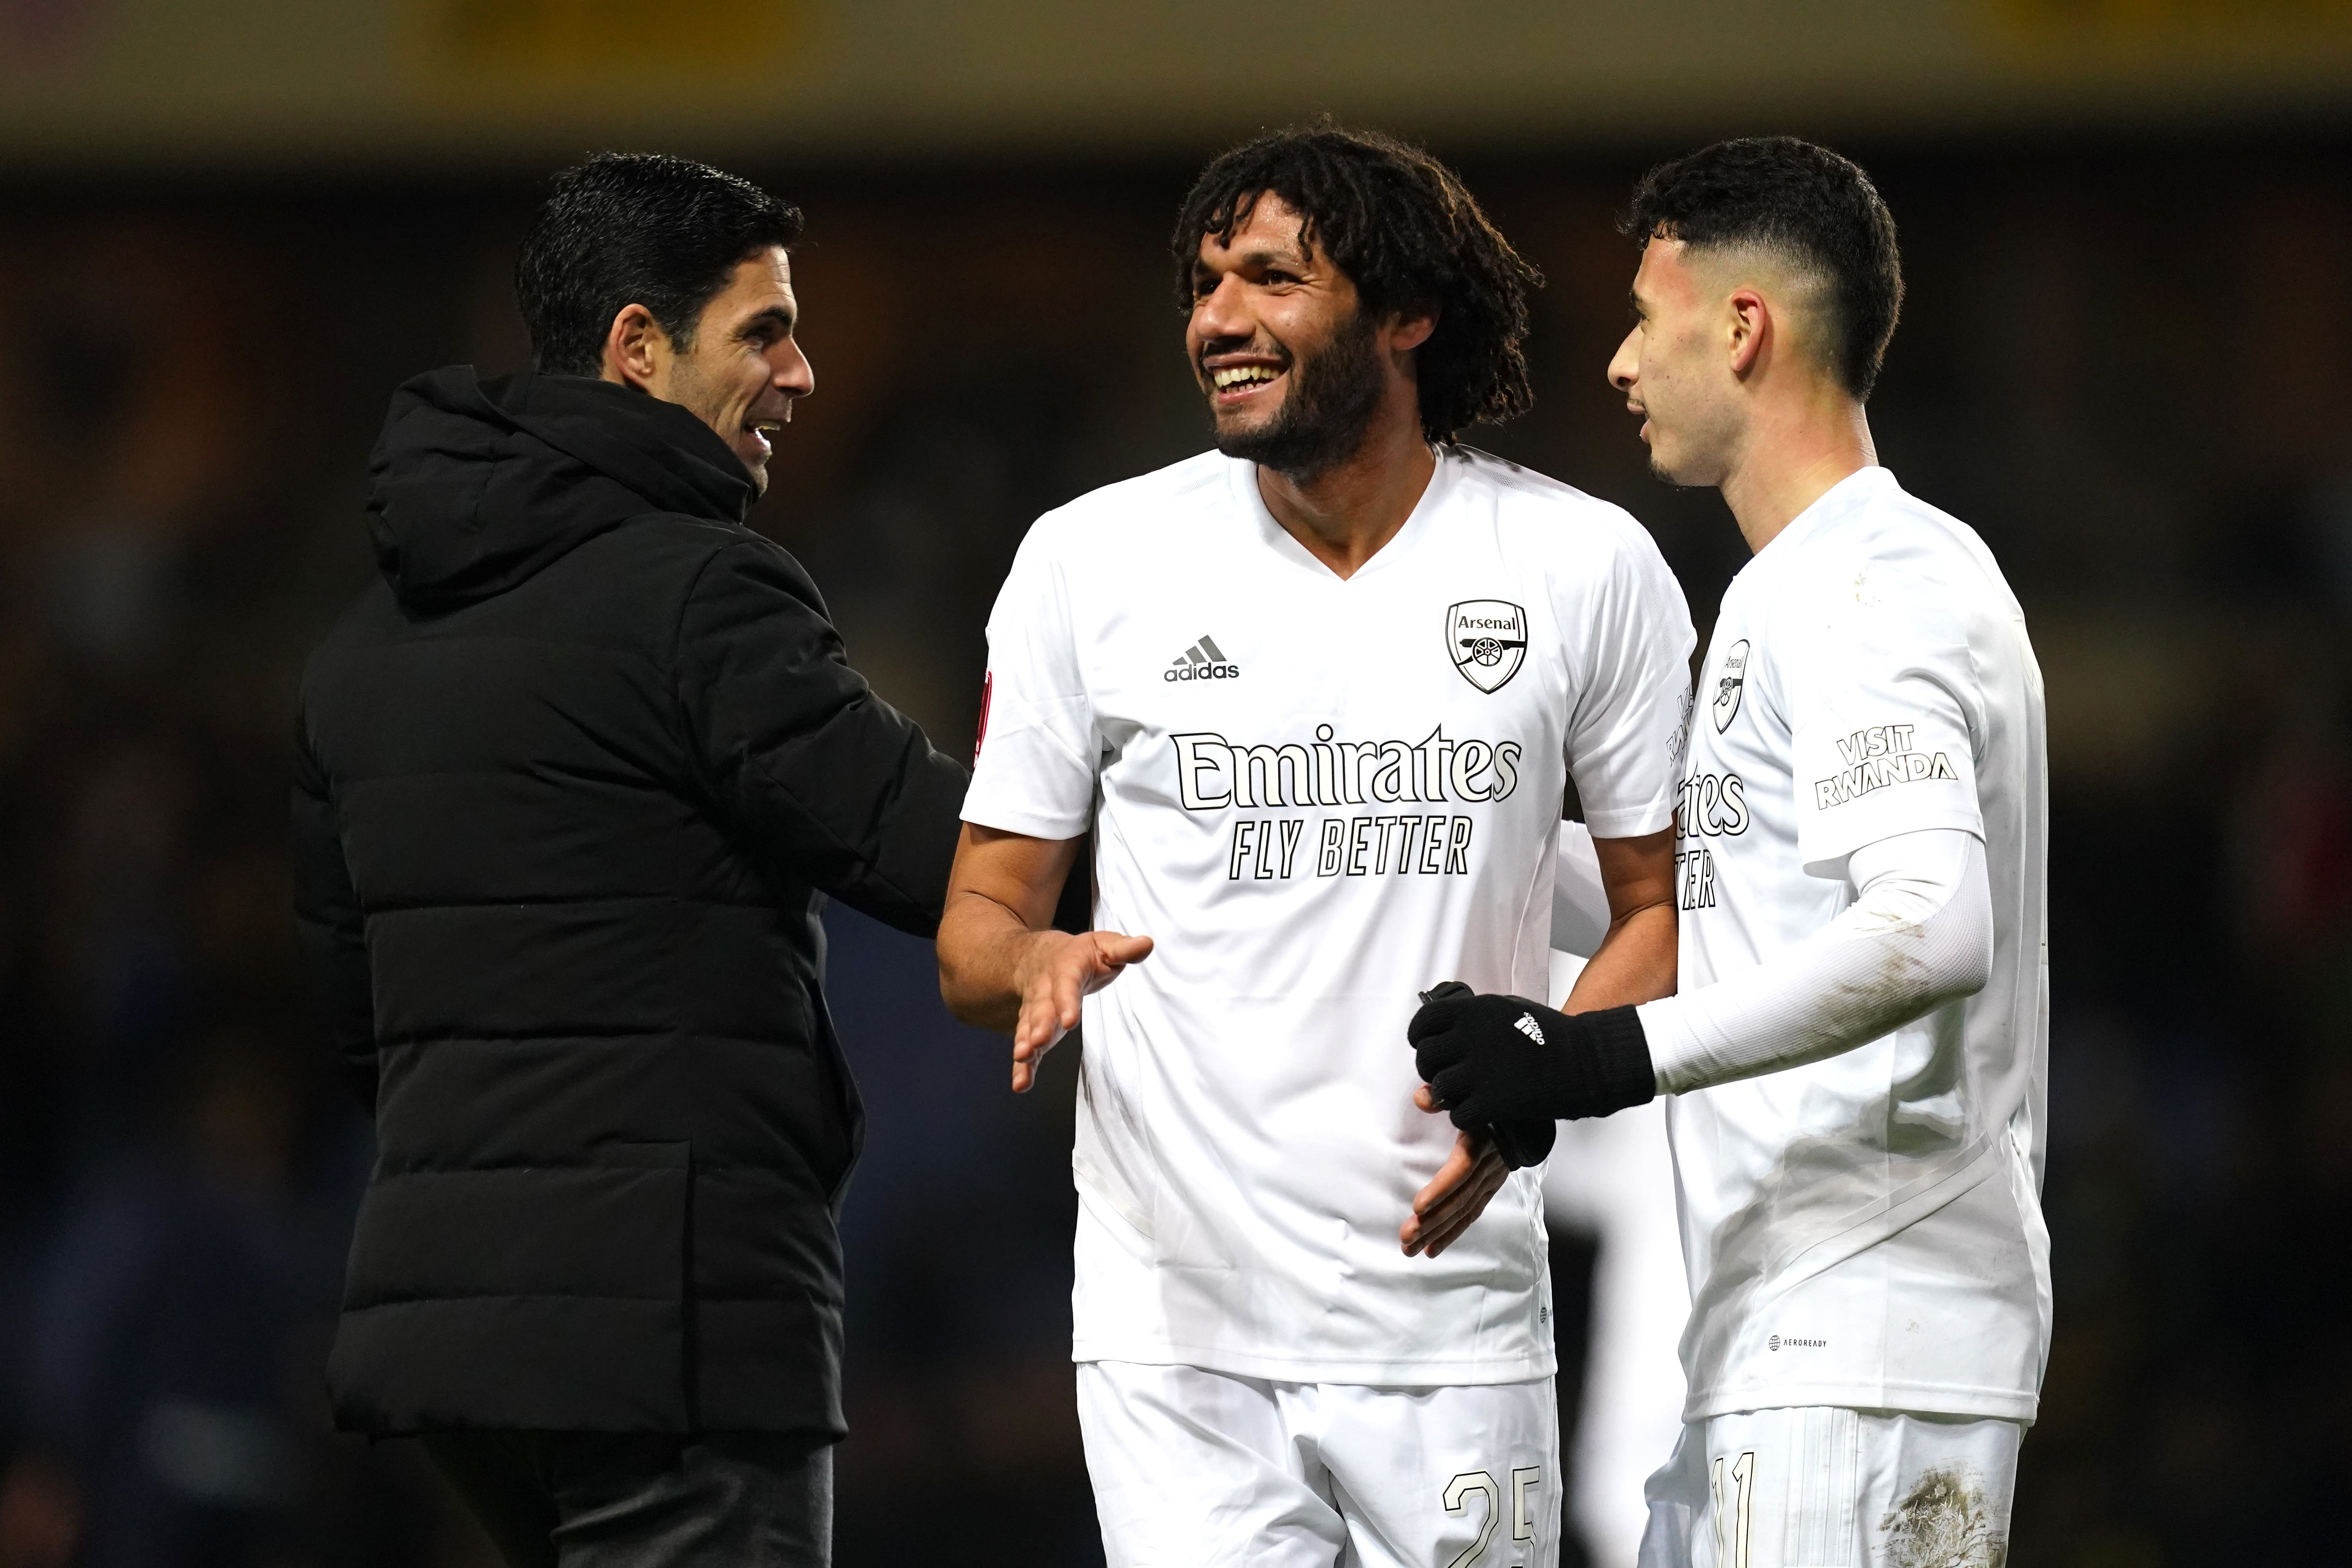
[(1917, 935)]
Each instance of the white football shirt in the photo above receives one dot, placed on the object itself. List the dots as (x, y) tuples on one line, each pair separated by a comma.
[(1320, 796), (1867, 1230)]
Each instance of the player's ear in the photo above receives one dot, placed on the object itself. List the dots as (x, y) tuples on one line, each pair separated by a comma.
[(1748, 324), (632, 347), (1409, 329)]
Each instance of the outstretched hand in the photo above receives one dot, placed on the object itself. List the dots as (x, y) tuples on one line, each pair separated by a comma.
[(1058, 971)]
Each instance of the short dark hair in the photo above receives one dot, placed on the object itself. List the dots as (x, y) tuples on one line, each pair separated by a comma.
[(1806, 202), (637, 228), (1406, 231)]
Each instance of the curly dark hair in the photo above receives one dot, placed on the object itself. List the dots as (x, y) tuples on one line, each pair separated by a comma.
[(1403, 227), (637, 228), (1803, 200)]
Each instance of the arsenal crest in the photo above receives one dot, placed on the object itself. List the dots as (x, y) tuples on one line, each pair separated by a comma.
[(1487, 640), (1728, 684)]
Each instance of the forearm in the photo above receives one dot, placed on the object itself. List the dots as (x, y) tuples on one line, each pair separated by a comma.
[(1635, 962), (983, 949), (806, 765), (1001, 965), (1918, 935)]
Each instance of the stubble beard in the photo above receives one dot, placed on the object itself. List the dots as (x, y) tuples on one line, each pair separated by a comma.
[(1327, 415), (1677, 478), (689, 387)]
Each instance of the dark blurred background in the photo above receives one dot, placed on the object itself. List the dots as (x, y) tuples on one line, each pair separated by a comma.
[(229, 230)]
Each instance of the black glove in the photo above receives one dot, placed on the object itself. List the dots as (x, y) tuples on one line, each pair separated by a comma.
[(1492, 1060), (1520, 1143)]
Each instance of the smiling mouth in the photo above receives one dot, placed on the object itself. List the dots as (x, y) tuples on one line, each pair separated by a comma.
[(1233, 384), (762, 432)]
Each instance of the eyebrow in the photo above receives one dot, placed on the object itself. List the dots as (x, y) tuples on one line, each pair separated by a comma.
[(775, 313), (1262, 258), (1291, 261)]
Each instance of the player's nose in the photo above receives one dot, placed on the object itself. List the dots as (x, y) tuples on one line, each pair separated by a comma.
[(789, 370), (1219, 313), (1625, 364)]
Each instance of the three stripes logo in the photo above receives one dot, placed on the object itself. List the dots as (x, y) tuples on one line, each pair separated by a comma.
[(1528, 1026), (1202, 661)]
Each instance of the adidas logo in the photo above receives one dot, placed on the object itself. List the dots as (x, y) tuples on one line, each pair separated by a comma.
[(1528, 1026), (1202, 661)]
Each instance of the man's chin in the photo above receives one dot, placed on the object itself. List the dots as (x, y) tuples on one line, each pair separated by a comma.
[(1243, 428), (756, 464), (1666, 472)]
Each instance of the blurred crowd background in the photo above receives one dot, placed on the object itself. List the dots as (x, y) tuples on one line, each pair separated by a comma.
[(2126, 359)]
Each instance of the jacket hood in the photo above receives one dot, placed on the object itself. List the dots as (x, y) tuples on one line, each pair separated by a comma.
[(477, 484)]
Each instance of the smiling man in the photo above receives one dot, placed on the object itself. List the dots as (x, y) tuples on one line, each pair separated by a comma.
[(1318, 694), (573, 778)]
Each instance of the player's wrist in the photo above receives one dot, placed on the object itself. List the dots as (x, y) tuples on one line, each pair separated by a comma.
[(1525, 1142), (1036, 955), (1493, 1061), (1616, 1055)]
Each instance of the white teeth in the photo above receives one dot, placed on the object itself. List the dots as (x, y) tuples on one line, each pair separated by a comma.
[(1235, 375)]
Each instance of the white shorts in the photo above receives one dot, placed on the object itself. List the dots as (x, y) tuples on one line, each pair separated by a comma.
[(1194, 1467), (1822, 1487)]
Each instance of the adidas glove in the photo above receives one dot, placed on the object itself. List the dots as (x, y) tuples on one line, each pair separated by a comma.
[(1493, 1061), (1520, 1143)]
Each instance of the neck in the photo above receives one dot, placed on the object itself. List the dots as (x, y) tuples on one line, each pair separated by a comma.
[(1791, 459), (1344, 516)]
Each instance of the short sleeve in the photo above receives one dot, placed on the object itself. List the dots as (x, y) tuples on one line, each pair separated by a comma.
[(1882, 701), (1625, 732), (1034, 771)]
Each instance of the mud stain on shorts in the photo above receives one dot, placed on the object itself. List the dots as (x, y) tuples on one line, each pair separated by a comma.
[(1942, 1522)]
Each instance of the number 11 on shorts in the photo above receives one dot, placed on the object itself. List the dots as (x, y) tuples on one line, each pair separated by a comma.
[(1733, 1553)]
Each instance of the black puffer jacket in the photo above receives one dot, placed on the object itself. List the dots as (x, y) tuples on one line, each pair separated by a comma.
[(572, 781)]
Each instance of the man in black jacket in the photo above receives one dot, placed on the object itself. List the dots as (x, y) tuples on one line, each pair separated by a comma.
[(573, 780)]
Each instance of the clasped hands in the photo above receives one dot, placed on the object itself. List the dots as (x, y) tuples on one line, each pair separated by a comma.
[(1506, 1070)]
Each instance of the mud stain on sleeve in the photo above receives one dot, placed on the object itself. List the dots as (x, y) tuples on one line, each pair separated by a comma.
[(1944, 1523)]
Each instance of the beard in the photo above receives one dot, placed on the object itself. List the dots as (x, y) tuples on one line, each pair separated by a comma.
[(1328, 414)]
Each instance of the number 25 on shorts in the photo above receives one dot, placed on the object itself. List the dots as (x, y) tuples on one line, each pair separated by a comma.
[(1469, 1483)]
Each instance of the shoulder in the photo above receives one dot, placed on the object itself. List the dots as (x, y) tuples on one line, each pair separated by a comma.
[(1120, 526), (637, 574), (1131, 512), (1580, 542), (674, 544), (717, 572), (1553, 518), (1892, 575), (1893, 550)]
